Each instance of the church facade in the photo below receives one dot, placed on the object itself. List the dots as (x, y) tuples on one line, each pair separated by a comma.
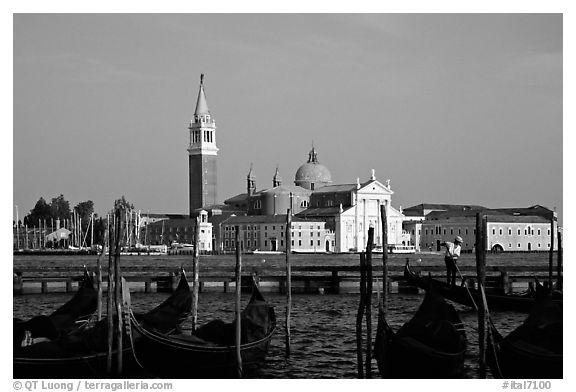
[(347, 210)]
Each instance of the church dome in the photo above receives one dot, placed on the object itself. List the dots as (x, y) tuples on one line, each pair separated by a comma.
[(312, 174)]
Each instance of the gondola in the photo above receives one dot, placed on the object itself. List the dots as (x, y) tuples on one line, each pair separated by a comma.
[(83, 352), (461, 294), (534, 349), (77, 310), (211, 351), (431, 345)]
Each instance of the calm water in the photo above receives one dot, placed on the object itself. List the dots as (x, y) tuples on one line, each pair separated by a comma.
[(323, 327)]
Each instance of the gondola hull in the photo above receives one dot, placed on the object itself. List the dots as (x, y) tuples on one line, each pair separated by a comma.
[(469, 297), (524, 361), (534, 349), (405, 358), (167, 357), (88, 366), (431, 345), (83, 353), (211, 351), (64, 319)]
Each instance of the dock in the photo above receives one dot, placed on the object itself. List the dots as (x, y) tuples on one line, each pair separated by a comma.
[(305, 279)]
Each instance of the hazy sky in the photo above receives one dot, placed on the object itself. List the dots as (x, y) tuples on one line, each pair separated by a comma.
[(455, 108)]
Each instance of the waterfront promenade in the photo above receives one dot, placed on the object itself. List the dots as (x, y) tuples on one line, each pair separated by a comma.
[(311, 273)]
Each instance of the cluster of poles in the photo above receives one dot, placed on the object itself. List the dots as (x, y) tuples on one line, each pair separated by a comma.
[(364, 362), (118, 305), (35, 237)]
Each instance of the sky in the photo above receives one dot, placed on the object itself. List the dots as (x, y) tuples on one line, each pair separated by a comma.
[(452, 108)]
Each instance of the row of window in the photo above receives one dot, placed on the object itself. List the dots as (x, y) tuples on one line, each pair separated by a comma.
[(518, 245), (527, 231), (204, 118), (258, 204), (250, 234), (255, 227), (206, 136), (249, 243), (439, 231)]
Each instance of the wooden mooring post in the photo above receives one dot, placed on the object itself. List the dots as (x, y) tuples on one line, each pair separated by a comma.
[(99, 276), (195, 274), (110, 300), (238, 272), (288, 280), (551, 254), (559, 267), (360, 316), (481, 273), (368, 301), (118, 293), (385, 289)]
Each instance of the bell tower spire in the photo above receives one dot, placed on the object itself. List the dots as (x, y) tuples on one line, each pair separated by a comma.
[(202, 152)]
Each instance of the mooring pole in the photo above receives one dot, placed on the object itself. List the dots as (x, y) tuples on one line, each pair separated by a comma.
[(551, 254), (384, 219), (481, 273), (110, 298), (369, 302), (195, 274), (288, 279), (360, 315), (559, 267), (238, 273), (99, 277), (118, 292)]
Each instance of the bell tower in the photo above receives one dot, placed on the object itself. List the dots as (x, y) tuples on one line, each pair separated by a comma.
[(202, 153)]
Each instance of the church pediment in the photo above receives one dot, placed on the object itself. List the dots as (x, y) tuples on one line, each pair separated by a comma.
[(374, 187)]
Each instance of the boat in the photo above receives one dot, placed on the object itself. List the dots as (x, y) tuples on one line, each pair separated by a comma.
[(403, 249), (531, 351), (522, 302), (68, 316), (82, 353), (395, 249), (211, 351), (431, 345)]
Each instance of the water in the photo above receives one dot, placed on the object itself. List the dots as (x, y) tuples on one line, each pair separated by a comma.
[(323, 327)]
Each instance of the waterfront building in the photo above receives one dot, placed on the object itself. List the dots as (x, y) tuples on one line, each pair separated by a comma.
[(414, 217), (267, 233), (180, 232), (508, 229)]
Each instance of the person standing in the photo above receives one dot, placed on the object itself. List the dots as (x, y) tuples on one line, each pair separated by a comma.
[(451, 258)]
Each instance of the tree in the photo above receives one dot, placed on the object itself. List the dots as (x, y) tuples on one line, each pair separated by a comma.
[(84, 210), (60, 208), (122, 203), (99, 230), (40, 212)]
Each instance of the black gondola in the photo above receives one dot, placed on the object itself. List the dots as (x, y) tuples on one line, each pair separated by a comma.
[(462, 295), (83, 352), (67, 317), (431, 345), (534, 349), (211, 351)]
